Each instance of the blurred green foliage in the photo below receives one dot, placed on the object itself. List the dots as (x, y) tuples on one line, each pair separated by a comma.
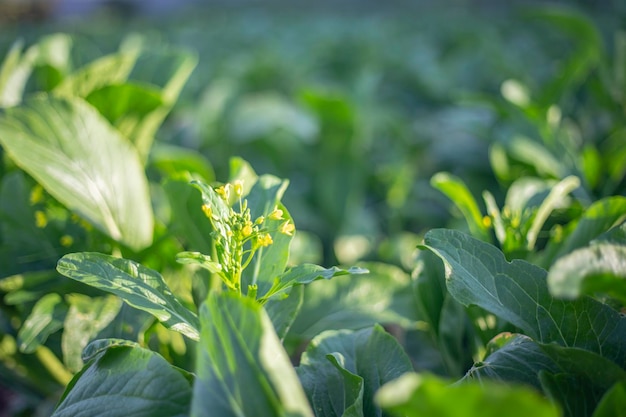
[(504, 122)]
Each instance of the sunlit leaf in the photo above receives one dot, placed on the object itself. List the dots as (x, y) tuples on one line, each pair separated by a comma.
[(136, 284)]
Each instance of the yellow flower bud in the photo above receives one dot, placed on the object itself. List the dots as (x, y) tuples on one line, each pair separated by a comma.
[(259, 220), (36, 195), (66, 241), (247, 230), (487, 221), (238, 188), (41, 220)]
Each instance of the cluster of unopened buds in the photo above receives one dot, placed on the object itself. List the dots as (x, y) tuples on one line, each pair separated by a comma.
[(237, 236)]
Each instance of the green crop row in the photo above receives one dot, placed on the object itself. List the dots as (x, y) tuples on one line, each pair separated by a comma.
[(470, 183)]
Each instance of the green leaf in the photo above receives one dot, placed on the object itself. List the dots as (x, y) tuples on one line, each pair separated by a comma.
[(86, 317), (45, 318), (125, 105), (597, 268), (176, 161), (269, 262), (137, 285), (354, 302), (197, 258), (597, 219), (600, 372), (106, 70), (477, 273), (456, 190), (83, 162), (283, 312), (188, 222), (331, 388), (422, 395), (127, 381), (613, 403), (371, 354), (242, 368), (512, 358), (307, 273), (557, 193), (453, 337), (174, 68), (575, 394), (14, 74), (430, 289)]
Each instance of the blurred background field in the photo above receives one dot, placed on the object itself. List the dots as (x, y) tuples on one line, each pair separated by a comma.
[(357, 103), (360, 103)]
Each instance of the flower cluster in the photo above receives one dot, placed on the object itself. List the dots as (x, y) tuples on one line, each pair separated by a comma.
[(236, 235)]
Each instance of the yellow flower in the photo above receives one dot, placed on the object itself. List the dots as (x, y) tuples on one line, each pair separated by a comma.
[(238, 188), (66, 240), (247, 230), (36, 195), (41, 220), (207, 210), (224, 191), (259, 220), (487, 221), (276, 214), (264, 240), (287, 228)]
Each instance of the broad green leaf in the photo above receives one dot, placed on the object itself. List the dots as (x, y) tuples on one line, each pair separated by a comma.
[(597, 268), (613, 403), (512, 358), (453, 337), (478, 274), (331, 388), (127, 381), (430, 288), (371, 354), (575, 394), (45, 318), (424, 395), (137, 285), (355, 302), (26, 247), (283, 312), (83, 162), (242, 368), (600, 372), (86, 317), (597, 219), (456, 190), (106, 70)]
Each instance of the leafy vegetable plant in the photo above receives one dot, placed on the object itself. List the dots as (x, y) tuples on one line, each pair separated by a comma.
[(241, 364)]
